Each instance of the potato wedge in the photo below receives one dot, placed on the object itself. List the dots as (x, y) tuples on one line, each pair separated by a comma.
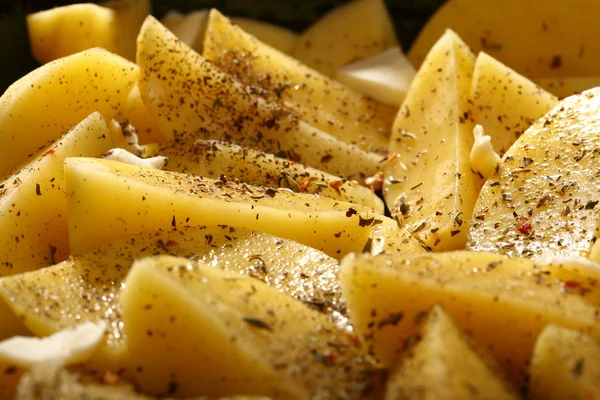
[(430, 187), (199, 101), (504, 102), (564, 365), (278, 37), (291, 268), (109, 198), (544, 194), (214, 333), (554, 40), (59, 95), (504, 303), (212, 158), (567, 86), (314, 98), (389, 238), (442, 362), (136, 113), (189, 28), (347, 33), (33, 202)]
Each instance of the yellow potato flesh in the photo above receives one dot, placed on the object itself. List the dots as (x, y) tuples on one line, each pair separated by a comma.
[(442, 353), (46, 103), (568, 85), (506, 103), (544, 194), (389, 238), (136, 113), (278, 37), (504, 303), (193, 99), (33, 202), (315, 98), (430, 187), (215, 333), (352, 31), (108, 198), (557, 39), (564, 365)]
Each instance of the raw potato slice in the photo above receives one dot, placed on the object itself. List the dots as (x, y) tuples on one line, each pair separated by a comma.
[(557, 39), (136, 113), (213, 333), (189, 28), (212, 158), (314, 98), (59, 94), (33, 202), (544, 195), (385, 76), (506, 103), (108, 198), (193, 99), (430, 187), (568, 86), (350, 32), (442, 362), (564, 365), (504, 303), (278, 37), (389, 238)]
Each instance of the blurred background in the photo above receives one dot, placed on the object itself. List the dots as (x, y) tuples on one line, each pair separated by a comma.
[(16, 61)]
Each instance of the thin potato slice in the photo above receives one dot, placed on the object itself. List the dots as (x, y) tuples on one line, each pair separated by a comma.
[(193, 99), (86, 287), (564, 365), (46, 103), (215, 333), (442, 362), (506, 103), (430, 187), (314, 98), (348, 33), (544, 194), (504, 303), (109, 198), (213, 158), (33, 202)]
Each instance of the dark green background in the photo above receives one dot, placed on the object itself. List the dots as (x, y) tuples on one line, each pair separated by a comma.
[(15, 60)]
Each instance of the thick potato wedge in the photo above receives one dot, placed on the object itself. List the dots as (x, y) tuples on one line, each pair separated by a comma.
[(350, 32), (556, 39), (544, 194), (430, 187), (442, 362), (109, 198), (87, 286), (136, 113), (504, 102), (314, 98), (564, 365), (193, 99), (33, 202), (46, 103), (568, 85), (215, 333), (504, 303), (389, 238), (213, 158)]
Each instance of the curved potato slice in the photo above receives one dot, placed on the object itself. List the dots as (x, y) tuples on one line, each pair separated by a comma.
[(544, 194), (212, 158), (46, 103)]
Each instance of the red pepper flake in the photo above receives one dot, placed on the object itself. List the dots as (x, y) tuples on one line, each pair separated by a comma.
[(110, 378), (306, 184), (571, 284), (49, 152), (335, 185), (525, 228)]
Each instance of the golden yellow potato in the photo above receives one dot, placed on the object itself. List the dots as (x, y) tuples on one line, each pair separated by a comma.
[(136, 113), (504, 102), (44, 104), (109, 198), (212, 158), (314, 98), (556, 39), (430, 187), (567, 85), (389, 238), (33, 202), (193, 99), (349, 32), (564, 365), (504, 303), (544, 194), (213, 333), (189, 28), (278, 37), (442, 362)]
